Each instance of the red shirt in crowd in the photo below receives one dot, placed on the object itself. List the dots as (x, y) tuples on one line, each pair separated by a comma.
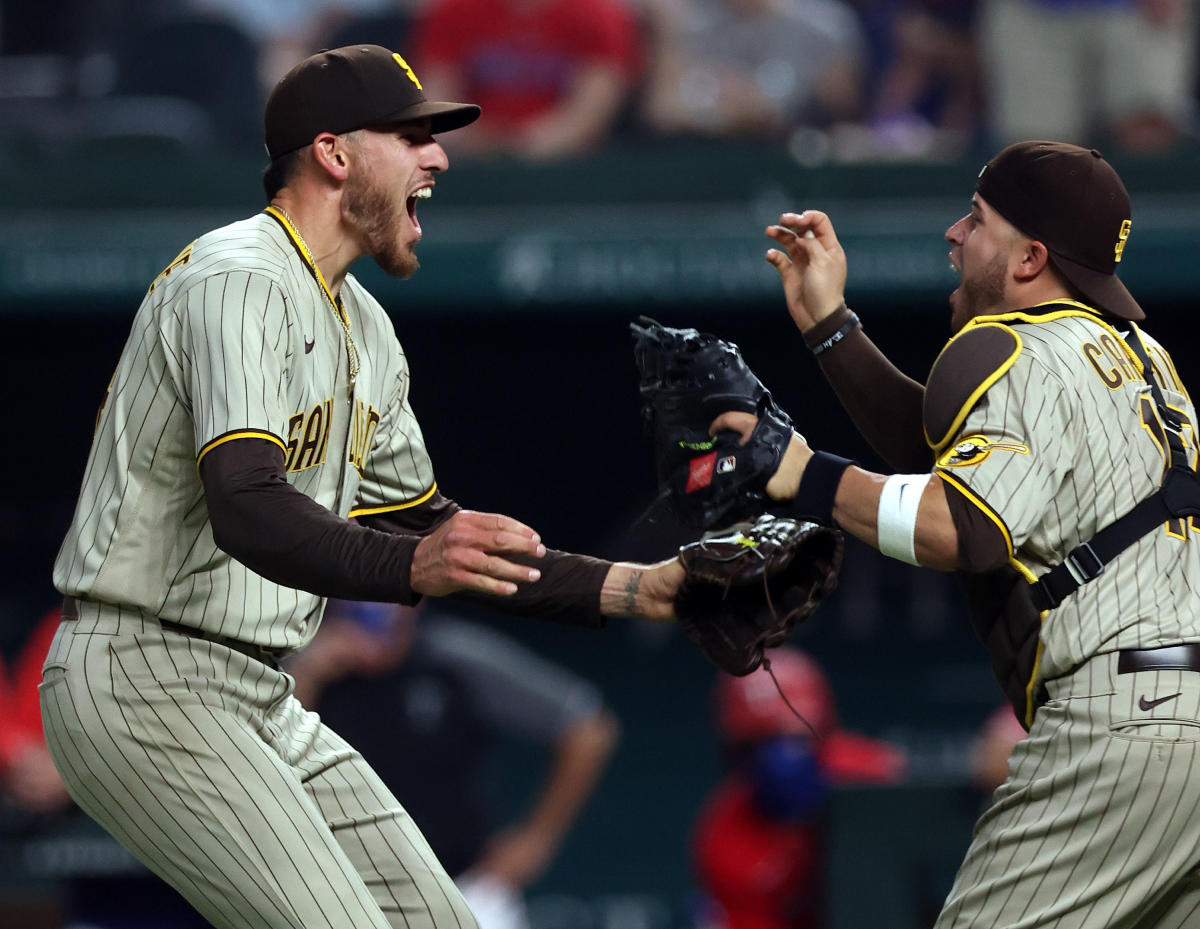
[(517, 58)]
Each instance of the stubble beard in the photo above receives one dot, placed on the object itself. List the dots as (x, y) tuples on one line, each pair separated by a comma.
[(374, 214), (981, 293)]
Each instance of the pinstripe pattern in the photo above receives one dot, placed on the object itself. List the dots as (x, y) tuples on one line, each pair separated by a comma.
[(1089, 461), (218, 347), (200, 761), (1098, 824), (194, 756)]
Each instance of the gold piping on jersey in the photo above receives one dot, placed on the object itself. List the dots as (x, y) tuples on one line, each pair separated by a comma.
[(302, 247), (1081, 310), (1074, 309), (177, 262), (392, 507), (339, 311), (1037, 658), (939, 444), (980, 505), (241, 434), (1162, 355)]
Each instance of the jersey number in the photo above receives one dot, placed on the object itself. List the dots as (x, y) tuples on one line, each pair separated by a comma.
[(1153, 424)]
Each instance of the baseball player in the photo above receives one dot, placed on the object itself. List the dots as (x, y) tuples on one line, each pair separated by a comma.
[(261, 401), (1032, 462)]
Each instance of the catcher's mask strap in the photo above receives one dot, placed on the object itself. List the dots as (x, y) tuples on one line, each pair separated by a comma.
[(818, 487), (896, 519)]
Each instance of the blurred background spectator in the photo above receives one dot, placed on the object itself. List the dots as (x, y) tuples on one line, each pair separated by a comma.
[(428, 702), (94, 895), (848, 80), (759, 844), (551, 75), (285, 31), (1090, 70), (752, 68), (927, 89)]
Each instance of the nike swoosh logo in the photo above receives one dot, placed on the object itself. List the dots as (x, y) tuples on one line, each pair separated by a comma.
[(308, 346), (1144, 704)]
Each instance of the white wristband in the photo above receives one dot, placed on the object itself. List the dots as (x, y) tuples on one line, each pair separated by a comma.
[(897, 517)]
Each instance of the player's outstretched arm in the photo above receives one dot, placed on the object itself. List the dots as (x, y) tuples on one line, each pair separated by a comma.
[(884, 403), (642, 590), (855, 504), (466, 553)]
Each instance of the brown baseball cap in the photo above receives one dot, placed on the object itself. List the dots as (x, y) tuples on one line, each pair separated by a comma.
[(1072, 201), (350, 88)]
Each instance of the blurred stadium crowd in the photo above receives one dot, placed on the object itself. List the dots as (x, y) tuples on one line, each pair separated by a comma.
[(843, 80)]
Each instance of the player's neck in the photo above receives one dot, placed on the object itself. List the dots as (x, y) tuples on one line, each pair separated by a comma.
[(1033, 293), (317, 221)]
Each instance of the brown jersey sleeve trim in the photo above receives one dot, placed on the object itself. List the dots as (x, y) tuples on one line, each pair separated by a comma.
[(392, 507), (420, 518), (984, 541), (970, 363), (239, 434)]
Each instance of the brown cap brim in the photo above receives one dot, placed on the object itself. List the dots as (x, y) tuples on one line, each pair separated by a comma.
[(1104, 290), (442, 116)]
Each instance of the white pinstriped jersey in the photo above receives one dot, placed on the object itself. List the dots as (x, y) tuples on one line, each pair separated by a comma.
[(1064, 440), (237, 338)]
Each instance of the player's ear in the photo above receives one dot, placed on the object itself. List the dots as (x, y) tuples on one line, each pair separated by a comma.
[(331, 154), (1033, 259)]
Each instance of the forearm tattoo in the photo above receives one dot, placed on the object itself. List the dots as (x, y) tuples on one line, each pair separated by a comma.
[(631, 591)]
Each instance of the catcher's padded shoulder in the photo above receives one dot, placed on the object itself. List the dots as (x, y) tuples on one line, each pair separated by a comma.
[(970, 363), (746, 587)]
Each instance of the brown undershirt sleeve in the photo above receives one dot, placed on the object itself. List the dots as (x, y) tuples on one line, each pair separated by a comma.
[(568, 591), (884, 403), (278, 532), (273, 529)]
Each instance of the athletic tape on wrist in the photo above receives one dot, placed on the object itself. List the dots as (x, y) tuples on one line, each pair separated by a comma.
[(818, 487), (897, 516)]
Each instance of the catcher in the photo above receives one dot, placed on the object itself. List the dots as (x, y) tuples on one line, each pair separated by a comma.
[(1050, 460)]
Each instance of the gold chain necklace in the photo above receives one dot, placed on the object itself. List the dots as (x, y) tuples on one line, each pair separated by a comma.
[(338, 313)]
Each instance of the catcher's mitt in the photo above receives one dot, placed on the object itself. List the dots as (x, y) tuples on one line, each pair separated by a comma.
[(688, 378), (746, 587)]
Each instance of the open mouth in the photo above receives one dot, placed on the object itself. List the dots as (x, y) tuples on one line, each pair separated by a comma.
[(423, 193)]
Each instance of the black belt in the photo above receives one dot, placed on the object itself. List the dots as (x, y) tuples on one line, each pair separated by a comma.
[(269, 656), (1184, 657)]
